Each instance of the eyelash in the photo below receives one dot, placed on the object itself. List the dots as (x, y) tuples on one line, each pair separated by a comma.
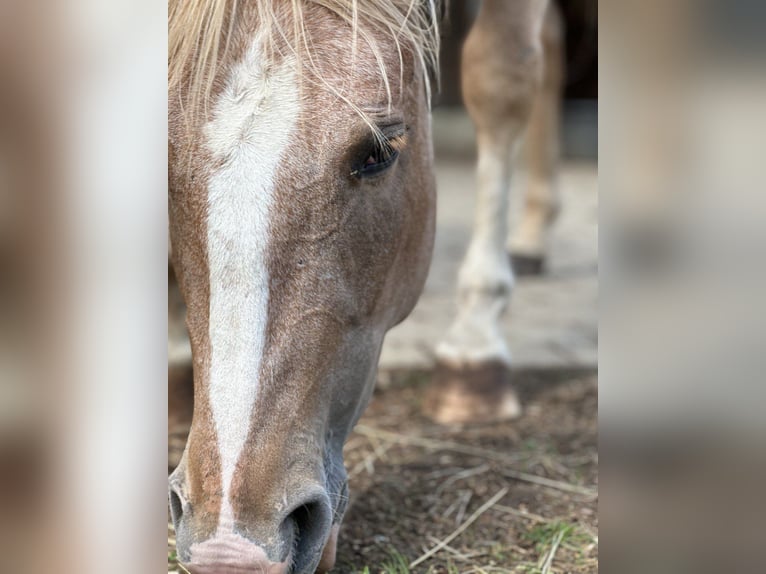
[(382, 156)]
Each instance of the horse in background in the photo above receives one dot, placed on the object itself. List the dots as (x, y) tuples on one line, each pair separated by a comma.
[(511, 77), (301, 202)]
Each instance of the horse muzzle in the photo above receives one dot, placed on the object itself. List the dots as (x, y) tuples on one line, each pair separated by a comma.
[(301, 540)]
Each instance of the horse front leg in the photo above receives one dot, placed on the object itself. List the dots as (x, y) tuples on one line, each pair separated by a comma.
[(528, 244), (501, 65)]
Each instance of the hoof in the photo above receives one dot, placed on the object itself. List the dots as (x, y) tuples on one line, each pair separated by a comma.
[(472, 394), (527, 265)]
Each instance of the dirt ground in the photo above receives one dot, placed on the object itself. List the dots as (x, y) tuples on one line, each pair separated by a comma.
[(518, 497)]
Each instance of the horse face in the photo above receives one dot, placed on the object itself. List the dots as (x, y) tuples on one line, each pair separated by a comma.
[(299, 238)]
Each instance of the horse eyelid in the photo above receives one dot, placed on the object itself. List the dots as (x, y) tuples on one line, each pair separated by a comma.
[(376, 169), (395, 140)]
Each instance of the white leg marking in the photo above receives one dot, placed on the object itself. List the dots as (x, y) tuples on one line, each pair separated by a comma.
[(251, 127), (485, 279)]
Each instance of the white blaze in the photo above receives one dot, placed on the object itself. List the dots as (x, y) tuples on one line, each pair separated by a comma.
[(251, 127)]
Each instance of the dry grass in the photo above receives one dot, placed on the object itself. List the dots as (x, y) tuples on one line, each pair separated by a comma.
[(514, 498)]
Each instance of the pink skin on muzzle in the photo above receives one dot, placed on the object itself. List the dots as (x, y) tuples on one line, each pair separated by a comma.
[(328, 554), (231, 554)]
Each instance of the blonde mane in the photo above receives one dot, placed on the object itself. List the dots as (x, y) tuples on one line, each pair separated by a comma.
[(198, 32)]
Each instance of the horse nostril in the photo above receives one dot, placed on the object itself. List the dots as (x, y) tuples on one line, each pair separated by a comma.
[(176, 506), (312, 522)]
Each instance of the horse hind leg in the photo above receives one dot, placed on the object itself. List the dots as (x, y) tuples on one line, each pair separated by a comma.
[(501, 67), (540, 155)]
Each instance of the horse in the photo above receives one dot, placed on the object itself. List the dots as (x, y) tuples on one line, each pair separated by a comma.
[(511, 75), (301, 206)]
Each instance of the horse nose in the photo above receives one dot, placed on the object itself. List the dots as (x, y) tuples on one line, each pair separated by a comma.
[(288, 542), (312, 519)]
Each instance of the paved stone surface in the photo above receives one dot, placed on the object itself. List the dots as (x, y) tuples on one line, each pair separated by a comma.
[(552, 320)]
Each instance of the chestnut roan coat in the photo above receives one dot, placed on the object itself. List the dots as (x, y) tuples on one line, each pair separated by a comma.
[(302, 217), (301, 208)]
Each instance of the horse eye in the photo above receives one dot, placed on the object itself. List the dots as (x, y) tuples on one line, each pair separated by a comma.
[(381, 157)]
